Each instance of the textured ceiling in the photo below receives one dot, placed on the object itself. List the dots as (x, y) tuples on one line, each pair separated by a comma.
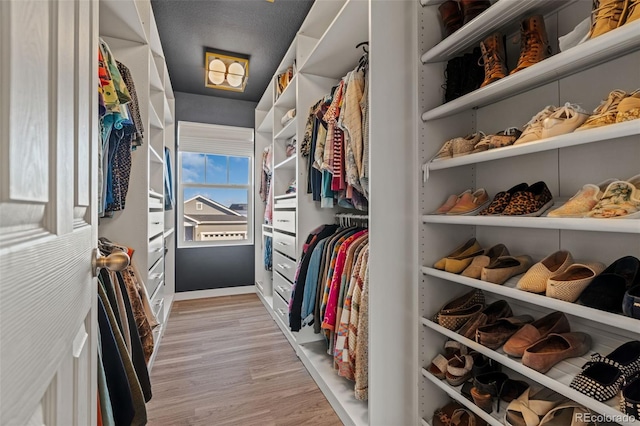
[(258, 29)]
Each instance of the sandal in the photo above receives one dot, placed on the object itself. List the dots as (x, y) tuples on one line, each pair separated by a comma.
[(438, 365), (527, 410), (568, 413), (464, 417), (459, 369)]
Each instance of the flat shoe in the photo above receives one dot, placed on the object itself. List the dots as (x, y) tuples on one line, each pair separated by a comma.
[(546, 353), (451, 201), (603, 376), (621, 199), (631, 302), (470, 246), (474, 270), (470, 298), (455, 265), (470, 204), (459, 318), (504, 268), (531, 202), (568, 285), (496, 334), (583, 201), (606, 291), (501, 200), (535, 279), (555, 322), (630, 399), (489, 315)]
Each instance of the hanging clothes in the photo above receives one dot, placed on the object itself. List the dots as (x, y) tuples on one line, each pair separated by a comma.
[(168, 180)]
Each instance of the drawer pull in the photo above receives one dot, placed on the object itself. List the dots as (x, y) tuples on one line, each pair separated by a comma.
[(282, 243), (283, 220), (281, 266), (155, 276), (156, 223), (281, 312), (158, 250), (159, 302), (282, 289)]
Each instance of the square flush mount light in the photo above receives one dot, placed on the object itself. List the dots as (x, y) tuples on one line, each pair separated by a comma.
[(226, 72)]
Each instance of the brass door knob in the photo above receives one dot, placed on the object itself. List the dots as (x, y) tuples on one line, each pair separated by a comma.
[(116, 261)]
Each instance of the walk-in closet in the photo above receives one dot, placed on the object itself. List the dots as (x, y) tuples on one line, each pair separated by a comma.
[(320, 212)]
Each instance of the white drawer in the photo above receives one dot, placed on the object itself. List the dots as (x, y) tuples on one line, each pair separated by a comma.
[(282, 286), (156, 250), (281, 309), (284, 265), (285, 220), (285, 244), (285, 203), (156, 223), (158, 309), (155, 278)]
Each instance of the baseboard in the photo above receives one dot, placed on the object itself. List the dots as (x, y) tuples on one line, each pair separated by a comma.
[(216, 292)]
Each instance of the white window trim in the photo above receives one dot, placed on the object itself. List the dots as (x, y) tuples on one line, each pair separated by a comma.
[(235, 141)]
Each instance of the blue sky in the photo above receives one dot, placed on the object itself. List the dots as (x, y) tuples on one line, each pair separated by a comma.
[(215, 169)]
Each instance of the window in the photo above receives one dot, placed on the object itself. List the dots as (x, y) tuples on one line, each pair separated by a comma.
[(215, 179)]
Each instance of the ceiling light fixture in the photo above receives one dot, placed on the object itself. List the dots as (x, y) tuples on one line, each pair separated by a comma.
[(226, 72)]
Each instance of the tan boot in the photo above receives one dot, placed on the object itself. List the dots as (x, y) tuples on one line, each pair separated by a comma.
[(607, 15), (493, 58), (633, 11), (534, 43)]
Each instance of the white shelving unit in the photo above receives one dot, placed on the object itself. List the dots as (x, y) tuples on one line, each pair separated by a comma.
[(324, 50), (129, 28), (584, 75)]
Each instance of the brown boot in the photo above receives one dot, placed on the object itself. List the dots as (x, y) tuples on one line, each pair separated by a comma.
[(473, 8), (633, 11), (607, 15), (451, 16), (534, 43), (493, 58)]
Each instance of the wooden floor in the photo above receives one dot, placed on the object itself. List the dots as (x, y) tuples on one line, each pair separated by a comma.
[(224, 361)]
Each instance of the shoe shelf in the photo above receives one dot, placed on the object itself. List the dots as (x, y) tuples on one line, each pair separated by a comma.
[(614, 44), (631, 226), (324, 60), (509, 290), (499, 16), (494, 419), (600, 134), (288, 130), (558, 378)]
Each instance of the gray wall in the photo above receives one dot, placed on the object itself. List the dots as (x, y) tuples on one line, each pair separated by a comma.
[(203, 268)]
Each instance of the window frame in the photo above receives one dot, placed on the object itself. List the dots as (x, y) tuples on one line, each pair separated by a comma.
[(212, 140)]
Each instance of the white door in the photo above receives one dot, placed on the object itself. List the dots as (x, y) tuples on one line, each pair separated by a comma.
[(48, 224)]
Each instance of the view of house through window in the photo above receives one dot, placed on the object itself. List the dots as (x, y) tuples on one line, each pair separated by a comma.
[(215, 187)]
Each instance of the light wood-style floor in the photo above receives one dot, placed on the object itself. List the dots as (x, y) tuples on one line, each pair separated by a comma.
[(224, 361)]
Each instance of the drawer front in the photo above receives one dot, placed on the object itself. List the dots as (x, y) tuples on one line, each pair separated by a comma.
[(156, 250), (282, 286), (158, 309), (284, 244), (285, 203), (156, 223), (281, 308), (284, 265), (284, 220), (156, 277)]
